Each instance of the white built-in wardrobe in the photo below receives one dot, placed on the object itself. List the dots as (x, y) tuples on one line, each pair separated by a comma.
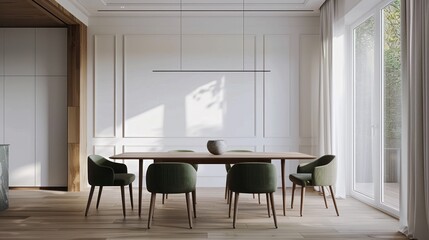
[(33, 105)]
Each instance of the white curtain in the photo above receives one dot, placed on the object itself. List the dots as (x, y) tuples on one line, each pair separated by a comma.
[(331, 75), (325, 81), (416, 81)]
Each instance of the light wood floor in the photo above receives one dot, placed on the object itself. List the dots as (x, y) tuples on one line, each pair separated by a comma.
[(60, 215)]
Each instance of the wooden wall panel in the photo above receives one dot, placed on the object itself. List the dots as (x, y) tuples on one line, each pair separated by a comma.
[(104, 85), (76, 101), (73, 179), (1, 52)]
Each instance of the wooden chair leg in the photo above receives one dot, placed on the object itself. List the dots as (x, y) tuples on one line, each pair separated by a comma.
[(166, 196), (259, 198), (302, 200), (324, 196), (151, 207), (99, 196), (131, 196), (253, 196), (163, 198), (274, 209), (188, 206), (154, 204), (230, 196), (194, 202), (91, 192), (268, 204), (123, 200), (293, 194), (235, 209), (333, 199), (226, 190)]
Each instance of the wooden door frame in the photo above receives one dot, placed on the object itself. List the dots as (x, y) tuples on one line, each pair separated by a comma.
[(76, 88)]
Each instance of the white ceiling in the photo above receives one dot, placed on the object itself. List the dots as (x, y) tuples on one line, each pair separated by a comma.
[(161, 7)]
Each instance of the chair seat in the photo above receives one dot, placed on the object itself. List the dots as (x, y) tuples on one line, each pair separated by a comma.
[(302, 179), (123, 179)]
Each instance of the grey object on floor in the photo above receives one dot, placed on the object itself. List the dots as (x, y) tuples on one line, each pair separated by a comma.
[(4, 176)]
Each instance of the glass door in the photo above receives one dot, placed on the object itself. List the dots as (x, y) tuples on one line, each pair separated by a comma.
[(377, 108), (365, 108)]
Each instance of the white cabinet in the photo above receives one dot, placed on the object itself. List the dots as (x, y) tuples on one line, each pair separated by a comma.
[(51, 51), (33, 106), (19, 51), (20, 129), (1, 52)]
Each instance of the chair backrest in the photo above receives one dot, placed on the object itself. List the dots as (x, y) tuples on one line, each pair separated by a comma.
[(181, 150), (253, 177), (99, 175), (325, 159), (325, 171), (195, 165), (171, 177), (228, 165)]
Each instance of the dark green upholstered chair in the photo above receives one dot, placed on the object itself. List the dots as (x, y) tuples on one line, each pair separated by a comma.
[(321, 172), (253, 177), (102, 172), (227, 168), (171, 178), (195, 165)]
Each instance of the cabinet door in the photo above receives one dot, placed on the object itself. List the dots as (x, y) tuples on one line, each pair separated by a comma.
[(20, 129), (19, 51)]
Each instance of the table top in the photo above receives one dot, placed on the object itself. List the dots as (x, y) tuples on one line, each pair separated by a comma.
[(209, 156)]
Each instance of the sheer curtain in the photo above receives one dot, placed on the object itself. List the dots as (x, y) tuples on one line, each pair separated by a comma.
[(330, 138), (414, 219)]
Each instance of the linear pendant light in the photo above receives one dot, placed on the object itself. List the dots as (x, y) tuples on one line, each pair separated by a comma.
[(207, 70)]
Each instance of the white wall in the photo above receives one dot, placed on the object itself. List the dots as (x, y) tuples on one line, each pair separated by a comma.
[(33, 104), (133, 109)]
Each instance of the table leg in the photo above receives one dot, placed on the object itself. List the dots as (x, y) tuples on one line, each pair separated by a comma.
[(140, 185), (283, 186)]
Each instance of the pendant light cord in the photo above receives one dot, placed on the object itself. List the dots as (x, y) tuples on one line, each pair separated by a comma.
[(181, 35), (243, 35)]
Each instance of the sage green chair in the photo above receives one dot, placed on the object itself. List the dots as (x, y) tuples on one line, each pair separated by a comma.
[(227, 168), (102, 172), (253, 177), (195, 165), (321, 172), (171, 178)]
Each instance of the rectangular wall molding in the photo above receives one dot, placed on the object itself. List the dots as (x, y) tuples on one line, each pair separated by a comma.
[(259, 111), (104, 97)]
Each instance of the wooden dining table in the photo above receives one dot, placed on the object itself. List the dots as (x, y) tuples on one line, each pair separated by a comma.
[(208, 158)]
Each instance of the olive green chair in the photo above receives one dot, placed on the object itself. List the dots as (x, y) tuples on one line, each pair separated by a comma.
[(227, 168), (171, 178), (253, 177), (195, 165), (321, 172), (102, 172)]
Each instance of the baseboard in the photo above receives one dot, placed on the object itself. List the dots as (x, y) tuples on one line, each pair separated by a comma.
[(40, 188)]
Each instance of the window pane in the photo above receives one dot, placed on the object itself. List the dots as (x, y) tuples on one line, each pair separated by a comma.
[(364, 36), (392, 102)]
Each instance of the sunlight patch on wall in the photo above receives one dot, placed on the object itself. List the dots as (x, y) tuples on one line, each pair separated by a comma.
[(205, 109)]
